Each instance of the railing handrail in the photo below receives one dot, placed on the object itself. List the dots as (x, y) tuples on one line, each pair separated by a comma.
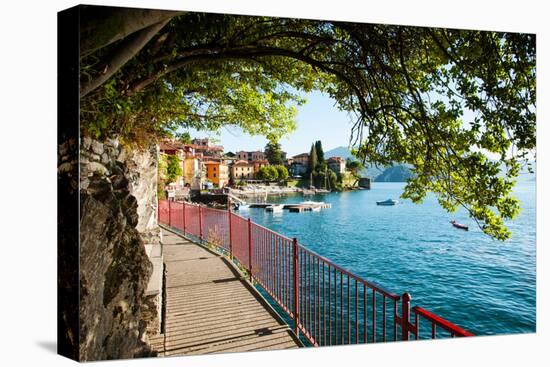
[(277, 274), (444, 324), (272, 231), (371, 285)]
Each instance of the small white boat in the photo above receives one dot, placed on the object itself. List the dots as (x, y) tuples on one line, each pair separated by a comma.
[(315, 208), (243, 206), (275, 208), (387, 202)]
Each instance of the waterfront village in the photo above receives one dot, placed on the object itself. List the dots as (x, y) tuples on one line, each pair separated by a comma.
[(197, 166)]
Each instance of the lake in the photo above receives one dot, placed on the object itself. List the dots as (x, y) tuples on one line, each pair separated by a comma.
[(483, 285)]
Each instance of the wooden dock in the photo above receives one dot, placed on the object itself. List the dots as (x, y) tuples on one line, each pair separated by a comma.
[(295, 207), (210, 308)]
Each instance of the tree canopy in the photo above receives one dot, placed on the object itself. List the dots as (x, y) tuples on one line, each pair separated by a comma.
[(268, 173), (440, 100), (282, 172), (273, 153), (173, 168), (354, 167)]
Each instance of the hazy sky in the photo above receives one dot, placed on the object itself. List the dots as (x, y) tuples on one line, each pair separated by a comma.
[(318, 119)]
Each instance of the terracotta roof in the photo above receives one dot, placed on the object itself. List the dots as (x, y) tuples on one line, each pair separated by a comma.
[(168, 145), (301, 155), (175, 144), (336, 159), (242, 163), (211, 147)]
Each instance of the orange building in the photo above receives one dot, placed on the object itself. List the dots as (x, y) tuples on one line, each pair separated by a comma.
[(217, 173)]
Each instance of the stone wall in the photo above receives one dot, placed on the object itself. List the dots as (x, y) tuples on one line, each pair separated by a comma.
[(117, 220), (143, 167)]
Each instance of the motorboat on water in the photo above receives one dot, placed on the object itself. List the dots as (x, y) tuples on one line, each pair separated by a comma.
[(275, 208), (459, 225), (243, 206), (322, 191), (387, 202), (310, 202)]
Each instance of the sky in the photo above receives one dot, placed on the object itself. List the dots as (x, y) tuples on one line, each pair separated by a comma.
[(317, 119)]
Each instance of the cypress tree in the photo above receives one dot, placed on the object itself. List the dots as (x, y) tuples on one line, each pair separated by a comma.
[(319, 151), (313, 161)]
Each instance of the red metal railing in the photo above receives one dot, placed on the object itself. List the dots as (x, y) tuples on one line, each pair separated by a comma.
[(329, 305)]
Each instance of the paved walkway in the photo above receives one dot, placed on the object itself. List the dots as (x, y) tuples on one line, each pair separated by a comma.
[(209, 309)]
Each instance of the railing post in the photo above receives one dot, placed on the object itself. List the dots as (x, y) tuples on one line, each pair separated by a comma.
[(183, 204), (295, 285), (405, 315), (229, 219), (200, 223), (250, 248), (169, 214)]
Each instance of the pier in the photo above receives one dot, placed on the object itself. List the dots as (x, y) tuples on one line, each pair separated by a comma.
[(295, 208)]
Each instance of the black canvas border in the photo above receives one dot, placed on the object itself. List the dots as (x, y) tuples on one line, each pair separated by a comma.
[(68, 126)]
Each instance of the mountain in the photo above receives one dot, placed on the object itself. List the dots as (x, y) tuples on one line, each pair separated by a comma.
[(339, 152), (398, 173)]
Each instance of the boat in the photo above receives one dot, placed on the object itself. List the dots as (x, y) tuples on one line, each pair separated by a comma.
[(243, 206), (308, 192), (275, 208), (315, 208), (322, 191), (310, 202), (459, 225), (387, 202)]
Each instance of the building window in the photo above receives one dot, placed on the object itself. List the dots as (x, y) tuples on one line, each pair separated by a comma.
[(214, 175)]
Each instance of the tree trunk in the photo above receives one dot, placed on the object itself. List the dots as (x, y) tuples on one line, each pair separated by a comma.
[(101, 26)]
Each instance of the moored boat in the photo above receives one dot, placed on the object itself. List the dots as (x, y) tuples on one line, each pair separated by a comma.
[(275, 208), (459, 225), (387, 202), (322, 191), (310, 202)]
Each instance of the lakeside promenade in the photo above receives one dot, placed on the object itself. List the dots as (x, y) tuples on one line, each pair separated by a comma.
[(210, 308)]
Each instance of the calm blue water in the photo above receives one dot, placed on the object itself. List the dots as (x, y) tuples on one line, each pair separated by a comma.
[(483, 285)]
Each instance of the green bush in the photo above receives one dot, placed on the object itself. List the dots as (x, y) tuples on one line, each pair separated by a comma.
[(282, 172), (268, 173)]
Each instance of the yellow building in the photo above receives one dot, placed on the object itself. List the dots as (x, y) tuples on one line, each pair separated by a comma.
[(242, 170), (217, 173), (192, 171)]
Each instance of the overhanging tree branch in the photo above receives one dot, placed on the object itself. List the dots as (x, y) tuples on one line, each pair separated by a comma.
[(102, 26), (126, 50)]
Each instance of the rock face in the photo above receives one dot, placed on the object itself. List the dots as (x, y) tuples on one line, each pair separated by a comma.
[(117, 218), (143, 166)]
